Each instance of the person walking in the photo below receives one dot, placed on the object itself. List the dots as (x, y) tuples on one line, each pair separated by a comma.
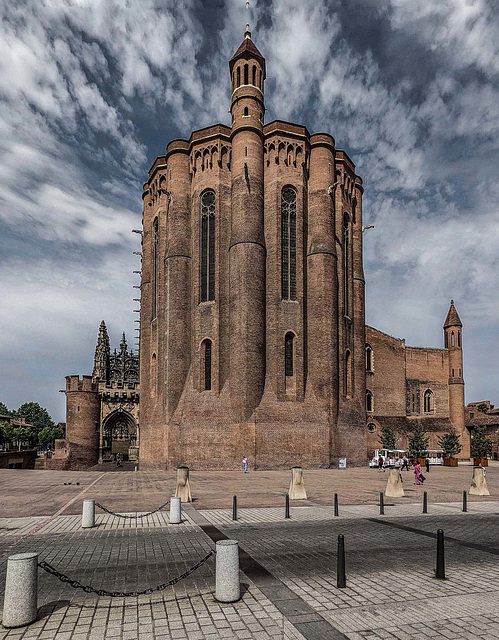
[(427, 465), (417, 473), (245, 464), (380, 462), (405, 464)]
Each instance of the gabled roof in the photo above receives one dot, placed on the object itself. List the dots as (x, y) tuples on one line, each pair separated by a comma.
[(453, 319)]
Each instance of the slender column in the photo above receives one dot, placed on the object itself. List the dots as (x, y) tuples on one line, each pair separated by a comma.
[(177, 275), (322, 277)]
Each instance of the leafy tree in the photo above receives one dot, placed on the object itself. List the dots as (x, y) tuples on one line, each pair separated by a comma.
[(481, 446), (48, 434), (450, 443), (4, 411), (35, 415), (418, 442), (482, 407), (23, 434), (6, 433), (387, 438)]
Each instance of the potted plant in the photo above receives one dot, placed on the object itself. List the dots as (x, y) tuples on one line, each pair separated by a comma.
[(481, 446), (451, 445), (418, 444)]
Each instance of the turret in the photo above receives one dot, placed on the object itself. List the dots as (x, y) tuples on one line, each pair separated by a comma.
[(82, 421), (453, 341), (102, 353), (247, 243)]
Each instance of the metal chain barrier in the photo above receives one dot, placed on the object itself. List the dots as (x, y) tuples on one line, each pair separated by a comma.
[(121, 594), (136, 517)]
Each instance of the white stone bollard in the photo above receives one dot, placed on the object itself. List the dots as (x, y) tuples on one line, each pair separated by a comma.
[(227, 585), (175, 510), (88, 514), (20, 604)]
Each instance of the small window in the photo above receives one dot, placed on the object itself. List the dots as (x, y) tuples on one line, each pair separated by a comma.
[(78, 408), (246, 80), (472, 415), (371, 427), (238, 71), (452, 339), (429, 406), (246, 111), (207, 364), (458, 338), (289, 355), (452, 372), (369, 357), (254, 75), (460, 373), (369, 401)]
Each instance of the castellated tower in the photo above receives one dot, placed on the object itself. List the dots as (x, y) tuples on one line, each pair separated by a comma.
[(252, 294), (453, 340)]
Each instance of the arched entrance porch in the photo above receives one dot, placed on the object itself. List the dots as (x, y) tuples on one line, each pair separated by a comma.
[(119, 435)]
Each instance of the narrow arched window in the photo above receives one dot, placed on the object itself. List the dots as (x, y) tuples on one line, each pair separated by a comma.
[(346, 266), (369, 357), (452, 339), (155, 268), (246, 113), (458, 338), (348, 374), (288, 243), (446, 340), (238, 72), (429, 406), (207, 248), (289, 365), (452, 372), (369, 401), (246, 80), (207, 364), (254, 75)]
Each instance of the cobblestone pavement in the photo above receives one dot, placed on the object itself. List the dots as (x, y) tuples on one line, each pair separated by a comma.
[(288, 574)]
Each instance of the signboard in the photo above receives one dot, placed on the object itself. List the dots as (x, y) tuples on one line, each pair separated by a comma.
[(342, 463)]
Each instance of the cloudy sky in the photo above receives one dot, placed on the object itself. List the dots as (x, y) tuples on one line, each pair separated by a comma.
[(92, 90)]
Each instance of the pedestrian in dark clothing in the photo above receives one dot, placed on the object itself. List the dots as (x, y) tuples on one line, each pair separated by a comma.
[(427, 465)]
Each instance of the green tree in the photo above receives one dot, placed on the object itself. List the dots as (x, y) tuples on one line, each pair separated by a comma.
[(22, 435), (482, 407), (48, 435), (481, 446), (4, 411), (387, 438), (450, 443), (418, 442), (6, 433), (36, 415)]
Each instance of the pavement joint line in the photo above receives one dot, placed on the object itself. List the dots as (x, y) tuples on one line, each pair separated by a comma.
[(429, 534), (46, 521), (290, 604)]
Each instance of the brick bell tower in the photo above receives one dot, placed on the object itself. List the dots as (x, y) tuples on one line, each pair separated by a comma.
[(453, 340), (247, 240)]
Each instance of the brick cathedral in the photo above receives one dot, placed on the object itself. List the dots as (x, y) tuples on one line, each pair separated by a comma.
[(252, 323)]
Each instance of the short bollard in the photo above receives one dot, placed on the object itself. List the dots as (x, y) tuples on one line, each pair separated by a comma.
[(286, 508), (440, 571), (234, 508), (381, 504), (425, 502), (336, 513), (341, 579), (20, 603), (88, 514), (175, 510), (227, 586), (465, 502)]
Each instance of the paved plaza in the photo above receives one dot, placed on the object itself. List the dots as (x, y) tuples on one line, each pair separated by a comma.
[(288, 567)]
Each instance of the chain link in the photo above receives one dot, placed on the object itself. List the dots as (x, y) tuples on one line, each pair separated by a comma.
[(120, 594), (136, 517)]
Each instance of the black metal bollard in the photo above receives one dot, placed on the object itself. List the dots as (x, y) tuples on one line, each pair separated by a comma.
[(440, 571), (381, 504), (336, 513), (286, 508), (341, 579), (234, 508), (465, 502), (425, 502)]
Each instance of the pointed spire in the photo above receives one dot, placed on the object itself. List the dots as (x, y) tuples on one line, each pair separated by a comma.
[(102, 352), (123, 345), (453, 319)]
